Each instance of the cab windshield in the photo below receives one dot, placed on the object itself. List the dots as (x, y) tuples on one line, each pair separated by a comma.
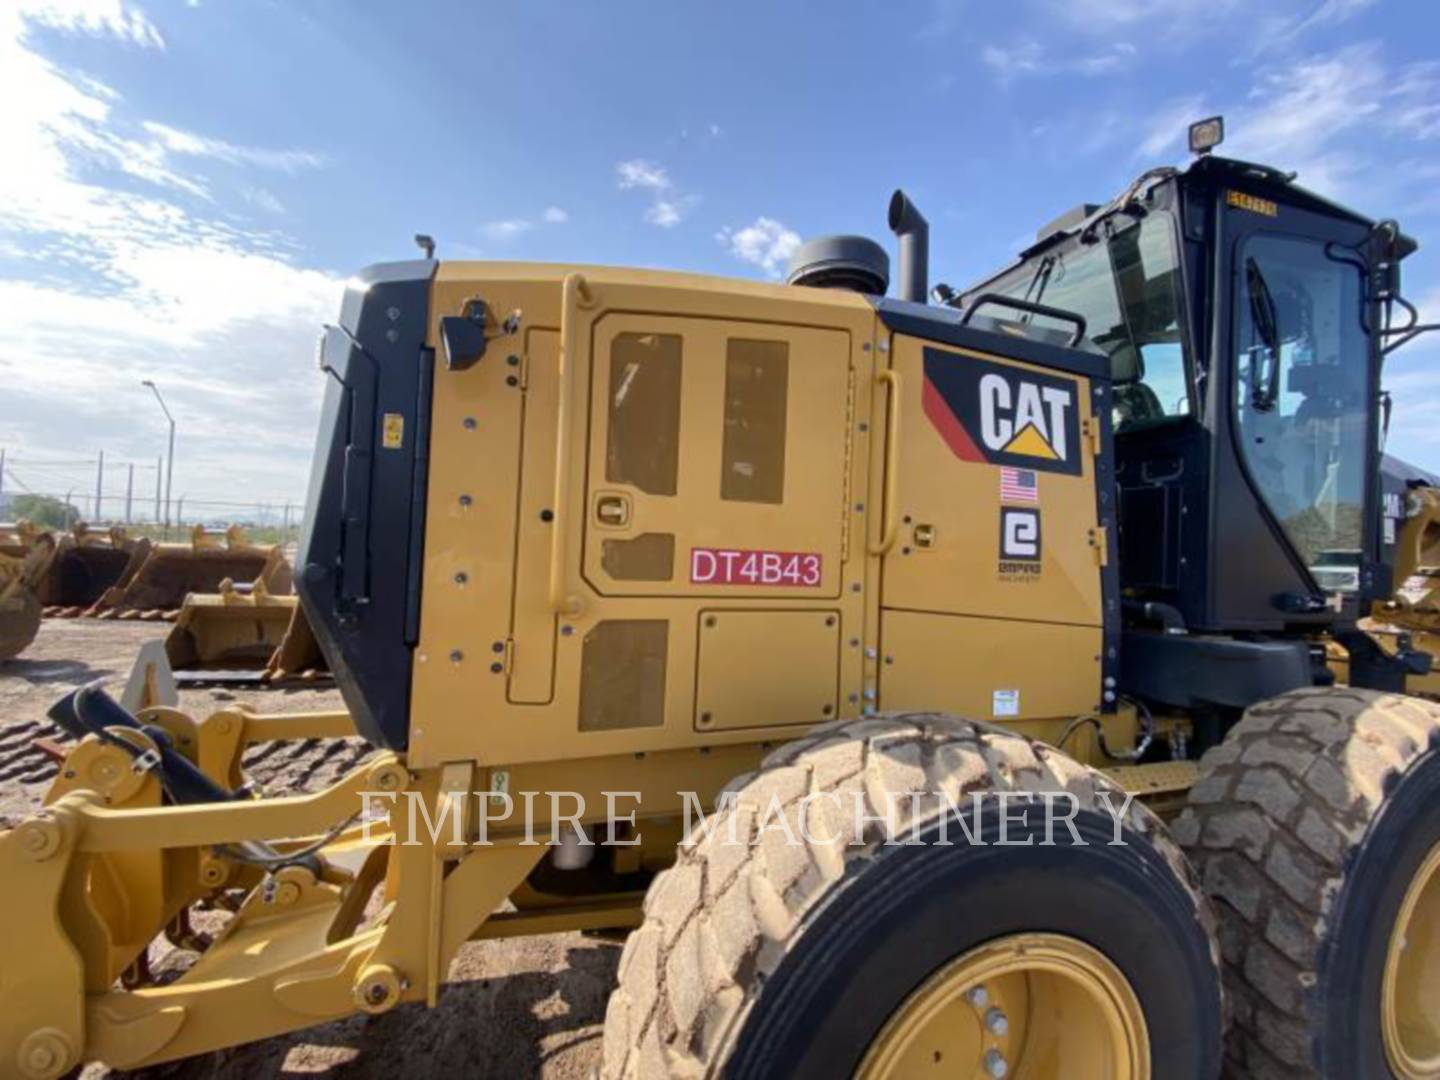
[(1300, 395), (1127, 286)]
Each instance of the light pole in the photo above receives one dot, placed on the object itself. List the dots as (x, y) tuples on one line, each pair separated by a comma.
[(170, 455)]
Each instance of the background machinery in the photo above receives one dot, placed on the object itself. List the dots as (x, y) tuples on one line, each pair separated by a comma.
[(588, 549), (25, 558)]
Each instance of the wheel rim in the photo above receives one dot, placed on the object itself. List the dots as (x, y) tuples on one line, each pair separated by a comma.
[(1410, 1004), (1028, 1005)]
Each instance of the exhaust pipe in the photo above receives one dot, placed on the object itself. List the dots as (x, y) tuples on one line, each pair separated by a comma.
[(913, 230)]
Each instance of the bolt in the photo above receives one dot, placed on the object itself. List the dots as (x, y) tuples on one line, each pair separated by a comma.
[(997, 1022), (864, 427), (496, 668), (566, 631), (547, 515), (461, 577), (709, 620), (392, 336), (704, 718), (513, 360), (469, 423), (392, 313), (978, 996), (498, 646), (376, 994), (511, 380), (859, 508), (995, 1064), (830, 620), (826, 710), (456, 656), (466, 500)]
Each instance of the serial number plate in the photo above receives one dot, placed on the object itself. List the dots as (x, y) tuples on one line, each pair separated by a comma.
[(729, 566)]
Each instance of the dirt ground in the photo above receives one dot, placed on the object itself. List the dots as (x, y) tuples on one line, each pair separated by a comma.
[(520, 1008)]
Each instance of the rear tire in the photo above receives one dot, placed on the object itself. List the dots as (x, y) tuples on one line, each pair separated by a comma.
[(1313, 825), (763, 958)]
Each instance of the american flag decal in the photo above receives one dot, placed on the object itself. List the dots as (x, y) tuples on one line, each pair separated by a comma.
[(1018, 485)]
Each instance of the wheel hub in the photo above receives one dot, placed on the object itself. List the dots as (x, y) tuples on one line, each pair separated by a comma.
[(1038, 1005), (1410, 995)]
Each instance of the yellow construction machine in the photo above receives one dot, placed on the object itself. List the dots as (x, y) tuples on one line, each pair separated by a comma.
[(930, 683), (25, 558)]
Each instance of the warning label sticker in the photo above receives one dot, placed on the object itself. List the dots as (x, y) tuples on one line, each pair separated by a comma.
[(731, 566)]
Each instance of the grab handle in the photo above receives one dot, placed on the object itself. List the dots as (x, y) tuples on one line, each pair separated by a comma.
[(891, 378), (574, 295)]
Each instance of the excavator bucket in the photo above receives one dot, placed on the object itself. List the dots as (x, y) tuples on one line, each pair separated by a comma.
[(243, 634), (234, 630), (87, 564), (20, 607), (171, 572)]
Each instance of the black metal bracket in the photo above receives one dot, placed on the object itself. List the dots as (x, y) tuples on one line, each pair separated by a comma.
[(1001, 300)]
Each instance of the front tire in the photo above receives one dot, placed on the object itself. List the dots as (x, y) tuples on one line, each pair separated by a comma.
[(1316, 829), (843, 954)]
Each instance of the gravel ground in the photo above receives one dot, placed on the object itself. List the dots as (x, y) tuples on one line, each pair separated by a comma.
[(519, 1008)]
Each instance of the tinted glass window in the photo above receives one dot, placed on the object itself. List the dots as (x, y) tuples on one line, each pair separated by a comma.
[(1300, 394), (1128, 290)]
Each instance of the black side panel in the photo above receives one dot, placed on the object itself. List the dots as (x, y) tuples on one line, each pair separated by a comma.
[(1191, 671), (363, 533)]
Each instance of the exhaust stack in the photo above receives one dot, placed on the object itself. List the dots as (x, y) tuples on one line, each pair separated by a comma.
[(913, 231)]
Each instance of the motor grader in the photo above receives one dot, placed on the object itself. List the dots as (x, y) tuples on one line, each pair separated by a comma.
[(589, 549)]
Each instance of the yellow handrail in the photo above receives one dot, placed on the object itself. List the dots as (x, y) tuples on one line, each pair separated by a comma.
[(891, 378), (575, 294)]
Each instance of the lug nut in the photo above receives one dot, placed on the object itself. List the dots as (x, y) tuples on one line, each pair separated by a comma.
[(995, 1064), (997, 1022), (978, 996)]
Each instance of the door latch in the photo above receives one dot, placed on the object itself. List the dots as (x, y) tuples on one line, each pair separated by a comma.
[(613, 511)]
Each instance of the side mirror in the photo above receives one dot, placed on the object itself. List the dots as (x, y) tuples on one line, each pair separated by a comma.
[(463, 337)]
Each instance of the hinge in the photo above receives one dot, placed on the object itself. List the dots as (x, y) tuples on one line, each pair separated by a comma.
[(1090, 430), (1100, 543), (509, 656), (851, 434)]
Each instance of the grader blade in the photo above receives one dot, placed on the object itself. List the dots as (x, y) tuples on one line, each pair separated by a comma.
[(20, 607), (173, 571)]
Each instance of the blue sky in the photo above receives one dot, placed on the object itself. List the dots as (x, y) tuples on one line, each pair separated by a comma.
[(187, 184)]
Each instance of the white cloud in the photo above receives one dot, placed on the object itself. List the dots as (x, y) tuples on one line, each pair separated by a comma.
[(1007, 62), (107, 18), (264, 199), (505, 230), (1324, 116), (188, 143), (765, 243), (668, 206), (555, 215), (1029, 57), (639, 173), (117, 282), (663, 213)]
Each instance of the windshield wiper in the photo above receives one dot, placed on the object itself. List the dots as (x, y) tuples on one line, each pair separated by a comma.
[(1263, 315)]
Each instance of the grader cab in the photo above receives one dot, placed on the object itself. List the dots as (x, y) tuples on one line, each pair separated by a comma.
[(989, 635)]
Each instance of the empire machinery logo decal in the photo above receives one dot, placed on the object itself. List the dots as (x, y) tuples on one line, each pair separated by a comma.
[(1001, 415)]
